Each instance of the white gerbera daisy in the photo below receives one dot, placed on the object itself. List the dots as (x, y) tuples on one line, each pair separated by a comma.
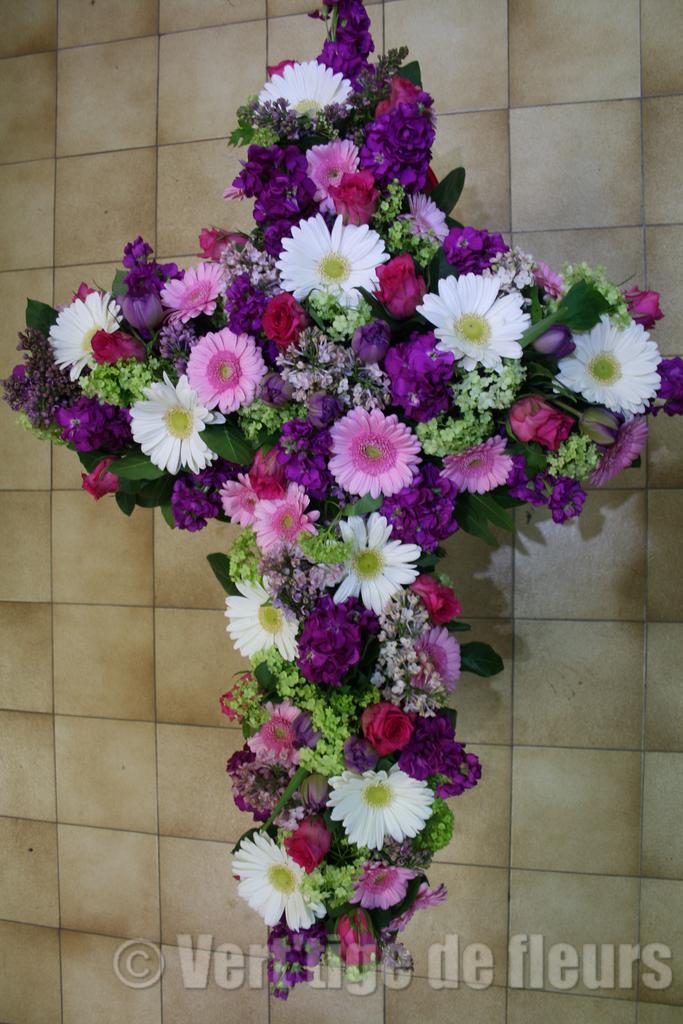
[(376, 804), (339, 261), (377, 567), (613, 366), (72, 333), (256, 624), (473, 323), (270, 881), (307, 87), (167, 424)]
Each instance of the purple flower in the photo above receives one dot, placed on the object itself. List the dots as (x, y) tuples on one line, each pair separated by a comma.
[(274, 389), (420, 377), (37, 387), (304, 452), (90, 425), (359, 755), (196, 496), (562, 495), (566, 498), (348, 52), (371, 341), (670, 394), (278, 179), (472, 251), (433, 750), (244, 305), (331, 641), (256, 785), (323, 409), (144, 275), (423, 512), (521, 487), (293, 955), (176, 341), (398, 145)]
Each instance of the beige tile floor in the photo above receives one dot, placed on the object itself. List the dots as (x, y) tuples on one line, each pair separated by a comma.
[(114, 810)]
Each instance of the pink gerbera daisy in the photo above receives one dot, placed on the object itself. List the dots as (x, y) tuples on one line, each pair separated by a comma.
[(281, 520), (225, 370), (438, 654), (274, 742), (481, 468), (629, 444), (239, 500), (426, 897), (549, 280), (195, 294), (327, 164), (381, 885), (373, 453)]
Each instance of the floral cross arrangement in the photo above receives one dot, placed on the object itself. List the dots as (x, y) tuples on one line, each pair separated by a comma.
[(351, 383)]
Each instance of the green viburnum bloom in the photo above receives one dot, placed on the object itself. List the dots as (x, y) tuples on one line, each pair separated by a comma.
[(245, 556), (389, 207), (438, 830), (340, 322), (259, 420), (123, 382), (399, 238), (448, 436), (576, 457), (595, 276), (325, 547), (51, 433), (482, 389)]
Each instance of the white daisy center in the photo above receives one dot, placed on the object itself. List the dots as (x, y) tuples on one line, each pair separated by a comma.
[(334, 268), (86, 344), (282, 878), (604, 368), (474, 328), (377, 795), (270, 618), (305, 106), (179, 422), (368, 564)]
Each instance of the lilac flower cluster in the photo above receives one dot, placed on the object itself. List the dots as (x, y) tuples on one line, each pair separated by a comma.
[(348, 52), (90, 425), (316, 366), (433, 750), (292, 955), (196, 496), (420, 377), (423, 513), (398, 146), (37, 387), (304, 452), (562, 495), (278, 179), (295, 583), (332, 638), (175, 342), (472, 251)]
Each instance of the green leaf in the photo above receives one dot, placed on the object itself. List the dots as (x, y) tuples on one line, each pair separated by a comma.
[(220, 565), (119, 286), (487, 506), (90, 459), (40, 316), (438, 269), (447, 192), (455, 626), (126, 502), (167, 513), (156, 492), (471, 522), (412, 72), (264, 677), (364, 506), (229, 442), (582, 307), (241, 136), (480, 659), (136, 466)]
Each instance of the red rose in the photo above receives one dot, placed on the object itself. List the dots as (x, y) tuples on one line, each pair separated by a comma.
[(400, 289), (99, 481), (644, 307), (356, 938), (534, 419), (266, 475), (277, 69), (308, 846), (283, 320), (440, 601), (386, 727), (402, 91), (110, 347), (355, 197), (214, 241)]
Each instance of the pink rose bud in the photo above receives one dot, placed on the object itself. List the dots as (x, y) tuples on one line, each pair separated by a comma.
[(400, 289), (355, 197), (439, 600), (643, 307), (83, 291), (601, 425), (99, 481), (534, 419), (144, 313), (110, 347), (309, 845), (402, 91), (357, 939), (277, 69), (214, 241)]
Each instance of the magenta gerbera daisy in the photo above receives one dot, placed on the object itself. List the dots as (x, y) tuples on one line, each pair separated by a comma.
[(438, 654), (327, 164), (381, 885), (481, 468), (281, 520), (239, 500), (225, 370), (373, 453), (195, 294), (628, 445), (274, 742)]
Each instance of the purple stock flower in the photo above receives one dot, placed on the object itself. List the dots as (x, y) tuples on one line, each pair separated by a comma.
[(196, 496), (331, 640), (144, 275), (670, 394), (423, 512), (292, 955), (398, 145), (90, 425), (278, 179), (359, 755), (304, 452), (37, 387), (471, 251), (562, 495), (371, 341), (566, 498), (433, 750), (348, 52), (245, 305), (420, 377)]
